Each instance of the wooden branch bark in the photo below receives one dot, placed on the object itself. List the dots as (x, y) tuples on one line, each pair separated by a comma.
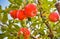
[(48, 26), (58, 6), (46, 23)]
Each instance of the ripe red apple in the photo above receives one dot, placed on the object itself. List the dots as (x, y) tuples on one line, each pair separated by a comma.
[(54, 17), (30, 10), (21, 15), (13, 13), (25, 32)]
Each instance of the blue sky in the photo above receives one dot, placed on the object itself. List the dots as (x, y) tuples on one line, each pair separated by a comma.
[(4, 3)]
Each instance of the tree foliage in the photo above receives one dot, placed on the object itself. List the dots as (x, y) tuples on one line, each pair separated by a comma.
[(40, 26)]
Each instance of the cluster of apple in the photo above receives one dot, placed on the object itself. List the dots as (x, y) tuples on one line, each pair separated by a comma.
[(29, 10), (25, 32)]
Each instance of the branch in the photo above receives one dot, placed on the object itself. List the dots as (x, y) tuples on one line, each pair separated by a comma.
[(58, 6), (46, 23), (51, 33)]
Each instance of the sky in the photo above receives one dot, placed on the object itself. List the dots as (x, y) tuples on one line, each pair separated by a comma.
[(4, 3)]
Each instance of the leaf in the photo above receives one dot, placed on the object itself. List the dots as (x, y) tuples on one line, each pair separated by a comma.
[(13, 7), (11, 1), (17, 27), (4, 28), (1, 9), (0, 17), (5, 18), (2, 36), (21, 36), (18, 2)]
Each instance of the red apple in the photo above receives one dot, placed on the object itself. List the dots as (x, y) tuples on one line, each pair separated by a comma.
[(21, 15), (54, 17), (13, 13), (30, 10)]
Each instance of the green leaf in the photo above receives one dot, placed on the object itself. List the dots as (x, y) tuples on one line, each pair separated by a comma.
[(0, 17), (2, 36), (13, 7), (17, 27), (11, 1), (4, 28), (21, 36), (18, 2), (5, 18), (1, 9)]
